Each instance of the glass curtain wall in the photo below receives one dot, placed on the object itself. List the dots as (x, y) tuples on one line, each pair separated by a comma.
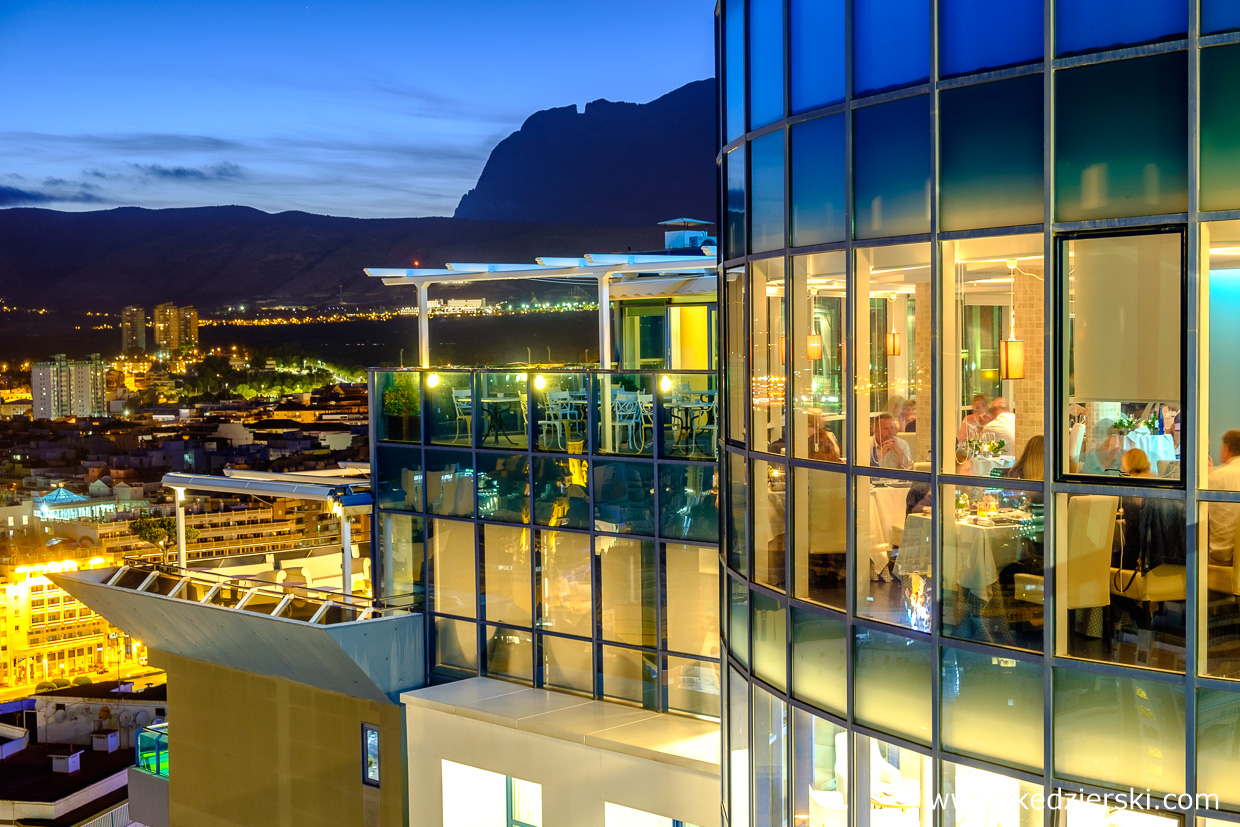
[(1007, 290)]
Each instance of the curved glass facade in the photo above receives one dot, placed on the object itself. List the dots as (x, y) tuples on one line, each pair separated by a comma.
[(981, 486)]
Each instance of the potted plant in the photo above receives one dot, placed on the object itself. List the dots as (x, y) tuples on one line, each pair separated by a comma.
[(1125, 424), (401, 402)]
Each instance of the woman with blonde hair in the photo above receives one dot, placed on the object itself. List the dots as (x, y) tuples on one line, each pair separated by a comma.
[(1135, 463), (1029, 466)]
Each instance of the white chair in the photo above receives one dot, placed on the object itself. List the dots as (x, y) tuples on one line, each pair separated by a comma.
[(1086, 558), (1076, 441), (626, 417), (462, 404)]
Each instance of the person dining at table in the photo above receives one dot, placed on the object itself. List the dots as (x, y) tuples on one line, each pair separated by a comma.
[(1105, 458), (1001, 424), (1224, 517), (887, 450), (971, 426), (1135, 463)]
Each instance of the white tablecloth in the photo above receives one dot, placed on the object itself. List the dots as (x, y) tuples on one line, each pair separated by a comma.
[(972, 554), (1156, 446), (982, 466), (887, 506)]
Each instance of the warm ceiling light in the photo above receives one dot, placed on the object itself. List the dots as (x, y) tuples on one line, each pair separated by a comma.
[(893, 344), (813, 347), (1011, 359)]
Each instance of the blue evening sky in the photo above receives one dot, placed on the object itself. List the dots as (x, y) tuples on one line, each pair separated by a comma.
[(342, 107)]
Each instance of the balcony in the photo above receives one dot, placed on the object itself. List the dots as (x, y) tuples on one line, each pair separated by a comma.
[(151, 750)]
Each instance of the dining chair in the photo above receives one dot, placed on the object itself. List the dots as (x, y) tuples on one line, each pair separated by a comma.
[(462, 403), (1086, 557), (626, 417), (1225, 577)]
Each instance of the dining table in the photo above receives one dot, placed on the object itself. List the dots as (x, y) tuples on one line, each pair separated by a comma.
[(493, 407), (1158, 447), (975, 549)]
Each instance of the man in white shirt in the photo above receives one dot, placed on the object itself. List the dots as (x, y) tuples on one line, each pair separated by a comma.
[(1225, 516), (886, 449), (1002, 425)]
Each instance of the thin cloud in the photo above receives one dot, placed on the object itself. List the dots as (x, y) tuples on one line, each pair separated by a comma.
[(215, 172), (14, 197)]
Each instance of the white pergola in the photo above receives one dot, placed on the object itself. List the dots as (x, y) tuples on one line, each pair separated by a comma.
[(631, 275)]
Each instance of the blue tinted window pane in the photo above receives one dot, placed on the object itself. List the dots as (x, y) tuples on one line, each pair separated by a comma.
[(734, 68), (1219, 16), (990, 171), (766, 176), (891, 44), (734, 241), (975, 35), (816, 52), (891, 146), (766, 62), (1121, 138), (1093, 25), (818, 168), (1220, 128)]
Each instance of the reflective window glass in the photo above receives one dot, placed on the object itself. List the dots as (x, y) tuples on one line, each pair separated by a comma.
[(891, 161), (1122, 364), (993, 308), (737, 345), (689, 502), (503, 488), (1220, 128), (816, 52), (738, 749), (769, 628), (738, 620), (628, 601), (893, 578), (734, 66), (819, 532), (400, 478), (624, 497), (1219, 16), (1219, 393), (819, 393), (892, 676), (565, 587), (891, 44), (1119, 731), (450, 546), (1120, 578), (506, 557), (631, 675), (892, 355), (820, 752), (976, 35), (1218, 761), (770, 483), (568, 664), (1094, 25), (990, 168), (1121, 138), (819, 660), (561, 492), (737, 525), (767, 342), (992, 708), (734, 235), (455, 648), (693, 686), (981, 796), (402, 539), (450, 483), (992, 539), (766, 181), (817, 175), (692, 613), (509, 653), (770, 772), (401, 395), (895, 777), (766, 62)]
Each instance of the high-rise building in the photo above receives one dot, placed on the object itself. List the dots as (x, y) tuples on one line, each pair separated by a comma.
[(133, 329), (187, 327), (166, 322), (62, 388), (986, 254)]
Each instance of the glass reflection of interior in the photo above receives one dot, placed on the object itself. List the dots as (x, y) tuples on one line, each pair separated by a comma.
[(1121, 367), (450, 407), (1121, 581), (629, 590), (893, 579), (557, 404), (630, 676), (624, 497), (820, 790), (770, 795), (453, 586), (561, 491), (507, 563), (1078, 813), (994, 534), (892, 355), (892, 677), (734, 362), (992, 356), (568, 664), (565, 587), (502, 402), (402, 551), (893, 782), (977, 798), (819, 532), (689, 418), (991, 707), (770, 482), (818, 390), (767, 344), (509, 653), (689, 502), (624, 410), (503, 487), (450, 483)]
